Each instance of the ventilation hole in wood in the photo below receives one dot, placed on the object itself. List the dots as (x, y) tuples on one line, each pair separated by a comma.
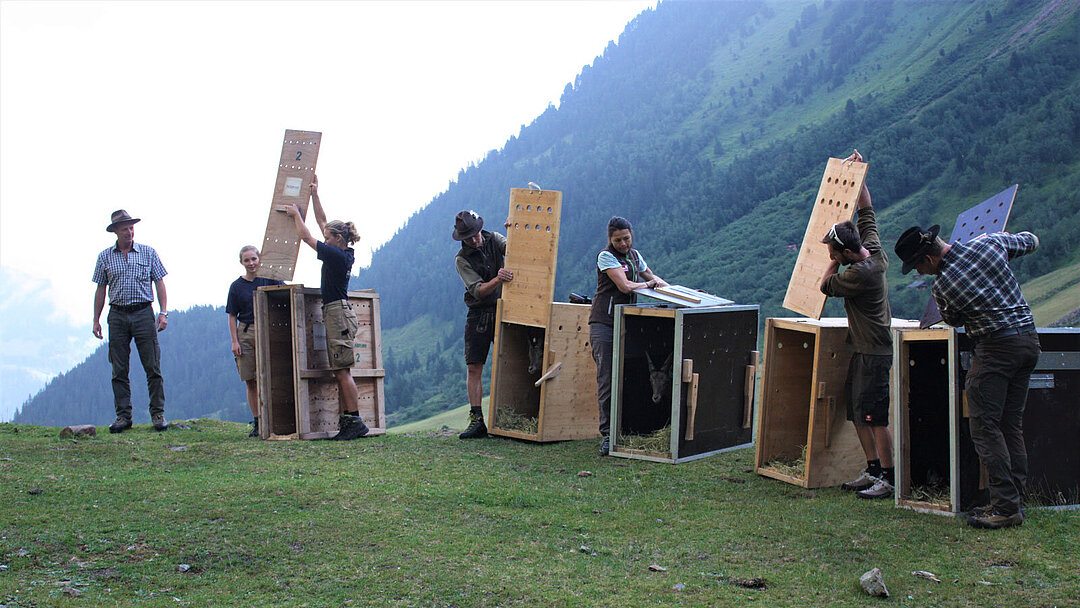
[(982, 227), (528, 207), (548, 228), (911, 363), (549, 209), (516, 226), (845, 205), (519, 207), (805, 345), (526, 226)]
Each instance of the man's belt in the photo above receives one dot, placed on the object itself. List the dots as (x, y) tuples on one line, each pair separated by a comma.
[(1010, 331), (131, 307)]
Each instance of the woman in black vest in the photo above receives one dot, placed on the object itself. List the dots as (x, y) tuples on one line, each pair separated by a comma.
[(620, 270)]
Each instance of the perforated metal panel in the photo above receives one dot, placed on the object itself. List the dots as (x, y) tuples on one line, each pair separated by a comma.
[(987, 217), (836, 202), (281, 244)]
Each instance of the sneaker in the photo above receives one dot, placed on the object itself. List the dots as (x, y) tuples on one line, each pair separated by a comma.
[(120, 425), (352, 427), (477, 429), (159, 422), (605, 446), (995, 520), (880, 489), (254, 428), (863, 482)]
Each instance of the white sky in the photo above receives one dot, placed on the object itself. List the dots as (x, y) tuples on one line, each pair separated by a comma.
[(176, 113)]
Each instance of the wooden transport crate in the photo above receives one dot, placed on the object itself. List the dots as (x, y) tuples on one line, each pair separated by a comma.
[(557, 402), (803, 435), (938, 470), (705, 403), (298, 396)]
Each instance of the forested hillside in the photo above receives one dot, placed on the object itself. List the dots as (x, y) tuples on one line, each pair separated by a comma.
[(708, 125)]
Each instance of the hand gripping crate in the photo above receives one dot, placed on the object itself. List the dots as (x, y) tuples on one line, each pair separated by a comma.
[(937, 469), (556, 399), (682, 381), (803, 435), (298, 396)]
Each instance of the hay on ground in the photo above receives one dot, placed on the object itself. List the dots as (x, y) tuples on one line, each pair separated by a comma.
[(792, 467), (508, 419), (658, 441)]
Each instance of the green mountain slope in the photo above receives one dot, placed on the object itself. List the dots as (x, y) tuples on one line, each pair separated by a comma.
[(709, 124)]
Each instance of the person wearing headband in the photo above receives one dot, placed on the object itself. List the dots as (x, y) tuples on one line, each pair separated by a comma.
[(866, 301), (974, 287)]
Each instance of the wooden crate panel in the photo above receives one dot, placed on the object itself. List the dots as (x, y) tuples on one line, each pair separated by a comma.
[(568, 408), (532, 247), (836, 202), (281, 244)]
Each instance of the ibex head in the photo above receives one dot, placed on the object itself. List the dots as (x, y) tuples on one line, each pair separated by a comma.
[(659, 377)]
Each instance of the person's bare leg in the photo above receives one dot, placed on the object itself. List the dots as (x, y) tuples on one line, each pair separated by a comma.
[(253, 398), (884, 443)]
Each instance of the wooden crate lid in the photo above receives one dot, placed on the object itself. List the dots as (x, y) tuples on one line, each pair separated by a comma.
[(836, 202), (281, 244)]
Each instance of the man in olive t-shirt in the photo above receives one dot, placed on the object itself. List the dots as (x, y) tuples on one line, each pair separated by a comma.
[(866, 300)]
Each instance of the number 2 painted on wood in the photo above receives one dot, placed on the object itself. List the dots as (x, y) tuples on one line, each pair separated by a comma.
[(298, 154)]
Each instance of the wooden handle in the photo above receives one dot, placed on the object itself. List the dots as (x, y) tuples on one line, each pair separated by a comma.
[(830, 405), (687, 370), (692, 405), (676, 294), (551, 373), (749, 388)]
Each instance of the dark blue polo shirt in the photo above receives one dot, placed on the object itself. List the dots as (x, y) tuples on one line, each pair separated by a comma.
[(337, 265), (241, 300)]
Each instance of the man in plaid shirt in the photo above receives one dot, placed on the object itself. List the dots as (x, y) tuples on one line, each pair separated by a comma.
[(129, 269), (976, 288)]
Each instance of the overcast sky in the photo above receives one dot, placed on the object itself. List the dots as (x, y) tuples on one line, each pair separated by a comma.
[(176, 113)]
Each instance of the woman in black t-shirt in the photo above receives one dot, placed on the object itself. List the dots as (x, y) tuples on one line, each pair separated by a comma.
[(240, 307), (338, 317)]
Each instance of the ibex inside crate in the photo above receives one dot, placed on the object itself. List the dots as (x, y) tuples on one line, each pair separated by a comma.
[(659, 377), (536, 350)]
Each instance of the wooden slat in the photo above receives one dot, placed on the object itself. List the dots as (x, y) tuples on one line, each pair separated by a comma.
[(836, 201), (281, 244), (532, 247)]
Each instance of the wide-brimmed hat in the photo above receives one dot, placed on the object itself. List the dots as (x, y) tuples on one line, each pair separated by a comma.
[(120, 217), (913, 244), (466, 225)]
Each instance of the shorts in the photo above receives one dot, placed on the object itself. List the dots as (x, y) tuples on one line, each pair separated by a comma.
[(341, 329), (479, 334), (867, 389), (245, 363)]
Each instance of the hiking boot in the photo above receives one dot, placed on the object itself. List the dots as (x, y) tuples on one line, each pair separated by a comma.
[(477, 429), (254, 428), (880, 489), (987, 509), (605, 446), (120, 425), (994, 520), (352, 427), (863, 482), (159, 422)]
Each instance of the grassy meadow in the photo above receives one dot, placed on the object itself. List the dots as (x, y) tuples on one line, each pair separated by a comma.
[(207, 517)]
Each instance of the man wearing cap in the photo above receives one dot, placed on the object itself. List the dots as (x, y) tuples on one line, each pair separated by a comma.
[(129, 269), (976, 288), (866, 301), (480, 265)]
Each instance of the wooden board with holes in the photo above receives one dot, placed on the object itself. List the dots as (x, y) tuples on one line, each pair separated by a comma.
[(281, 245), (987, 217), (835, 202), (532, 248)]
